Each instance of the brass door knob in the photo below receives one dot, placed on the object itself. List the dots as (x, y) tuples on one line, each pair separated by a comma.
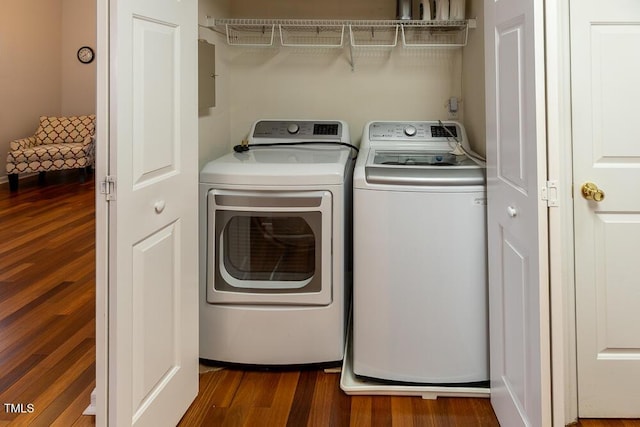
[(590, 191)]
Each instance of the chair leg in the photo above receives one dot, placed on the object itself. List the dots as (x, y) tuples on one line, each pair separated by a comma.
[(83, 175), (42, 178), (13, 182)]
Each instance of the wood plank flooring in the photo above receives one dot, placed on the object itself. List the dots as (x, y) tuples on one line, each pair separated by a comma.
[(47, 301), (47, 338), (232, 397)]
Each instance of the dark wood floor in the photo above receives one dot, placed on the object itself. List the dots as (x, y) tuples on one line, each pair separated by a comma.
[(313, 398), (47, 301), (47, 338)]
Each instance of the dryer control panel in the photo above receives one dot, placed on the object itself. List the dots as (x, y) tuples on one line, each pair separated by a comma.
[(299, 129), (403, 131)]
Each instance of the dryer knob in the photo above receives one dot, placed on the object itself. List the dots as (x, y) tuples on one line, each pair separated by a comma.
[(293, 128), (410, 131)]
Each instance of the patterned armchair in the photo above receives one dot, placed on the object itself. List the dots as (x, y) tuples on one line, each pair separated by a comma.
[(59, 143)]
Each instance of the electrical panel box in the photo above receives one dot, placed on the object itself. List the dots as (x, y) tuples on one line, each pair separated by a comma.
[(206, 74)]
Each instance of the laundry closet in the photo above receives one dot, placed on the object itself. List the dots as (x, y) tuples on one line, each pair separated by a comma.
[(283, 62)]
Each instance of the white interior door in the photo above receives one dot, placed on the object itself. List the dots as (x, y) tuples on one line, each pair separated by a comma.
[(517, 217), (153, 283), (605, 67)]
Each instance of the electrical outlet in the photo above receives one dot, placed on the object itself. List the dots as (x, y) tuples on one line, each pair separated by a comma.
[(453, 105)]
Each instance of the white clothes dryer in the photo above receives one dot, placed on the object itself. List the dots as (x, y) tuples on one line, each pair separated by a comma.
[(275, 218), (420, 274)]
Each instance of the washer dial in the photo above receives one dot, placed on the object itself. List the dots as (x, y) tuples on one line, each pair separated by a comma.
[(293, 128), (410, 130)]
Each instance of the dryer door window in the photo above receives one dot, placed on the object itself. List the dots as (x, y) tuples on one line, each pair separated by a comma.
[(272, 252), (266, 248)]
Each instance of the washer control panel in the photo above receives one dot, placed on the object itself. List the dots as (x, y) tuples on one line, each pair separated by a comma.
[(299, 129), (403, 131)]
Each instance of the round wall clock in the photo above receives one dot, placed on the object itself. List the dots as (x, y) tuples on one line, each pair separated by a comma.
[(85, 54)]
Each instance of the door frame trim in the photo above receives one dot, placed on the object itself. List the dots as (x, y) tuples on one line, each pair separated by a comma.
[(561, 237), (102, 213)]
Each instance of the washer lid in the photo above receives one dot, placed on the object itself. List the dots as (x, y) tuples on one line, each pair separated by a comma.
[(426, 168), (429, 176), (279, 166)]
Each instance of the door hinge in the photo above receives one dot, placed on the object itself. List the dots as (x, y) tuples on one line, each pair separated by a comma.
[(550, 193), (108, 187)]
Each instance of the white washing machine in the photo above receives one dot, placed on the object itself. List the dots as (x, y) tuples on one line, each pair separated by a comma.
[(420, 274), (275, 245)]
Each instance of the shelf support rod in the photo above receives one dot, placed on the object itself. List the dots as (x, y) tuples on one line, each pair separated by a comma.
[(352, 62), (212, 29)]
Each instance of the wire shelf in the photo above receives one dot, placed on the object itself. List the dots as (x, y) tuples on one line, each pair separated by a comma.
[(379, 35), (312, 35), (250, 35), (330, 33), (434, 36), (337, 22)]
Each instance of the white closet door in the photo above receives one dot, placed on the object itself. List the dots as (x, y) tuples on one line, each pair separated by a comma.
[(517, 217), (152, 249)]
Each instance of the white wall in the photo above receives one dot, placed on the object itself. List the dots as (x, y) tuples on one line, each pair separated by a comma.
[(30, 72), (402, 85), (214, 123), (78, 80), (473, 79), (316, 9)]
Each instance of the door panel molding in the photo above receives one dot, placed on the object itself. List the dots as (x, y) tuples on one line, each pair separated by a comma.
[(509, 80)]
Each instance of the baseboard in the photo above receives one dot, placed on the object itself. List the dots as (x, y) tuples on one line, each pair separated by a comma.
[(91, 409), (5, 179)]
